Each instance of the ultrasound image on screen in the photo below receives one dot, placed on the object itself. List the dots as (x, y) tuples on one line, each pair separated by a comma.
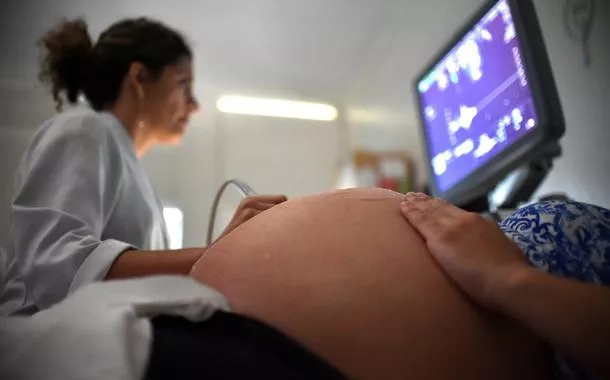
[(477, 101)]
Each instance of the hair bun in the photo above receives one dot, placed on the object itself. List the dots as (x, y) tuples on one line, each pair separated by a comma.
[(68, 51)]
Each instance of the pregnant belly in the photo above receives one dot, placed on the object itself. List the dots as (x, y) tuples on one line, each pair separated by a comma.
[(346, 276)]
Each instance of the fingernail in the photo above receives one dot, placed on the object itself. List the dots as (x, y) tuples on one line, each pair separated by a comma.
[(410, 194)]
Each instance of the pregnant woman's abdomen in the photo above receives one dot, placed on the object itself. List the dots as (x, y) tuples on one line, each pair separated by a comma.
[(346, 276)]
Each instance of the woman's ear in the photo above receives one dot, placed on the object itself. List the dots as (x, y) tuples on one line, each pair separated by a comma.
[(136, 78)]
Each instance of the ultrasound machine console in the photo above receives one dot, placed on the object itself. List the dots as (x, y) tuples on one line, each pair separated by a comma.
[(489, 110)]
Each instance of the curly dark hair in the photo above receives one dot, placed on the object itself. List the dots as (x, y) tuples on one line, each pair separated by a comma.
[(72, 64)]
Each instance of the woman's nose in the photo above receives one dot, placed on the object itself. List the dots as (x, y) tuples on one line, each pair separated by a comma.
[(193, 104)]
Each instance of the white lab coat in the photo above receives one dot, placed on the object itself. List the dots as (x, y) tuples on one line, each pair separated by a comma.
[(82, 198)]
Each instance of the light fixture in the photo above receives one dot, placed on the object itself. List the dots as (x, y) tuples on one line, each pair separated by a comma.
[(276, 108)]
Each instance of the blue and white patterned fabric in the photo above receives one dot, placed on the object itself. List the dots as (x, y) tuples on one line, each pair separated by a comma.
[(567, 239)]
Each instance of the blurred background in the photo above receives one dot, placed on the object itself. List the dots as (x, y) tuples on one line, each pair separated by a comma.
[(359, 56)]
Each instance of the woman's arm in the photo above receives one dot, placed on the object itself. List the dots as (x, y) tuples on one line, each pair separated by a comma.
[(572, 316), (133, 263), (491, 269)]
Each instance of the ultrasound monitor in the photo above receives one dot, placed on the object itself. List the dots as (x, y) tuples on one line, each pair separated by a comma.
[(488, 104)]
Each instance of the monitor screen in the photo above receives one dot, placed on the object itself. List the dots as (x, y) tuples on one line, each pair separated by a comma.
[(476, 101)]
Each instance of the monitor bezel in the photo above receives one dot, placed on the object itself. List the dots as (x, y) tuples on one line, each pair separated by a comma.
[(551, 125)]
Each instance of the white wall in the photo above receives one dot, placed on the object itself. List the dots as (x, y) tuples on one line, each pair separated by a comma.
[(584, 170), (279, 156), (381, 104), (184, 175), (274, 156)]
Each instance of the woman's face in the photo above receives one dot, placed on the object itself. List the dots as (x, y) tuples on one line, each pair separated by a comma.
[(169, 102)]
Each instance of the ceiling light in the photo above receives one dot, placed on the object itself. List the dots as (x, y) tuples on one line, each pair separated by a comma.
[(276, 108)]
